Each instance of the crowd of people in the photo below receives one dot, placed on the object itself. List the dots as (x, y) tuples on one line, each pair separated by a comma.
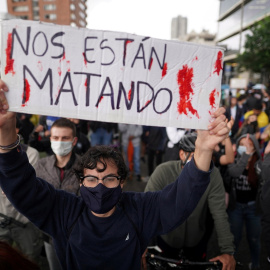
[(198, 183)]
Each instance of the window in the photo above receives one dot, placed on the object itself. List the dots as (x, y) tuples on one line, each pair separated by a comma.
[(49, 7), (82, 23), (24, 17), (50, 17), (82, 14), (82, 7), (72, 7), (17, 1), (21, 9), (73, 24), (73, 16)]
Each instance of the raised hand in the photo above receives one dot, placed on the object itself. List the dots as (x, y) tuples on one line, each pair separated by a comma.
[(7, 119), (218, 130)]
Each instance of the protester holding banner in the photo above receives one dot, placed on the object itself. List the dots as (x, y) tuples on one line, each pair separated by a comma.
[(104, 225)]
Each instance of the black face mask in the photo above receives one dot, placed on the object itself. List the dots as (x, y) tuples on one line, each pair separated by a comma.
[(101, 199), (254, 123)]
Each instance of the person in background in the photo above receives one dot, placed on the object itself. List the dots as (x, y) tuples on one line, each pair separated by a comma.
[(57, 170), (244, 208), (12, 259), (174, 135), (192, 236), (262, 117), (102, 133), (265, 199), (156, 144), (40, 137), (235, 112), (131, 136), (249, 126), (27, 126), (16, 228)]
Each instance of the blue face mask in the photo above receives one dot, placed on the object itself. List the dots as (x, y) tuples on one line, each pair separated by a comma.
[(241, 149), (101, 199)]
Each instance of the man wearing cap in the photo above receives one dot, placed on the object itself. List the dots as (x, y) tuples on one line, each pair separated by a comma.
[(192, 236)]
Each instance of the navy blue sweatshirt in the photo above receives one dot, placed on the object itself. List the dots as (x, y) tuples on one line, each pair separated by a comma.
[(84, 241)]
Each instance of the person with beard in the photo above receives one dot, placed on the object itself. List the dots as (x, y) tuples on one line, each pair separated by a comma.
[(104, 228), (244, 208)]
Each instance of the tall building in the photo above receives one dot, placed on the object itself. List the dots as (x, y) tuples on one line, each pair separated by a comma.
[(65, 12), (235, 18), (178, 27)]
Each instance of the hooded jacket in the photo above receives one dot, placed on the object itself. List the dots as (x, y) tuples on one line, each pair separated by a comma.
[(237, 169)]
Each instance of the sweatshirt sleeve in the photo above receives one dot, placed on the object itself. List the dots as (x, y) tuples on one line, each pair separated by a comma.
[(164, 210), (33, 197), (239, 166)]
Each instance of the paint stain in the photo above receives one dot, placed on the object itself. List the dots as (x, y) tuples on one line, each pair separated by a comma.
[(39, 65), (9, 61), (99, 101), (64, 56), (147, 102), (85, 84), (218, 64), (129, 94), (59, 71), (84, 58), (164, 70), (26, 92), (151, 63), (212, 99), (184, 80), (125, 50)]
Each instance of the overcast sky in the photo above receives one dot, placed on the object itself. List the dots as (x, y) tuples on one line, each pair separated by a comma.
[(149, 17)]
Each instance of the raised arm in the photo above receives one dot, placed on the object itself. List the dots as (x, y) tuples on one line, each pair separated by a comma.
[(8, 135)]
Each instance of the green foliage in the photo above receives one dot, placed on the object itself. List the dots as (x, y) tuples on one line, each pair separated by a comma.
[(256, 55)]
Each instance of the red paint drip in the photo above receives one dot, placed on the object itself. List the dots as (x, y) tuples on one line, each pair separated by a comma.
[(59, 71), (39, 65), (126, 43), (9, 61), (26, 93), (212, 99), (151, 63), (85, 62), (85, 84), (129, 94), (99, 100), (164, 70), (218, 64), (68, 64), (147, 102), (184, 79), (64, 56)]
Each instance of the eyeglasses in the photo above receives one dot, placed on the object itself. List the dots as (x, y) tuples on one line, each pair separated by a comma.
[(109, 181)]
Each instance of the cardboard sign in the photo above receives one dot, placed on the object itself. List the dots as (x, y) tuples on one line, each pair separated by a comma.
[(109, 76)]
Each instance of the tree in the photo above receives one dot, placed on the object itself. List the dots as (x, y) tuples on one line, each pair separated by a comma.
[(256, 55)]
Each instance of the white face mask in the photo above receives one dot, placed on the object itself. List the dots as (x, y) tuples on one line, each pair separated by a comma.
[(61, 148), (241, 149)]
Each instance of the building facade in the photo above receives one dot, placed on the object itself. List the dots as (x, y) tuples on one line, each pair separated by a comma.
[(235, 18), (65, 12), (178, 27)]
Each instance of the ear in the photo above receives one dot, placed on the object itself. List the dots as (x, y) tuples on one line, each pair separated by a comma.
[(75, 141), (182, 155)]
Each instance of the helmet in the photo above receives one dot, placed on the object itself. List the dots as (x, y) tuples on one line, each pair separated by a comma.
[(187, 142)]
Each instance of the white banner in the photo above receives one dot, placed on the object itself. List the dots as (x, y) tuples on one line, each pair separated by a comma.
[(109, 76)]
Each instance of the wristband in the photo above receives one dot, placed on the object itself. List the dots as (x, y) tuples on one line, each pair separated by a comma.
[(13, 145)]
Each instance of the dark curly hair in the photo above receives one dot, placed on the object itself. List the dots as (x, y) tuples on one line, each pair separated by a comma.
[(101, 154)]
